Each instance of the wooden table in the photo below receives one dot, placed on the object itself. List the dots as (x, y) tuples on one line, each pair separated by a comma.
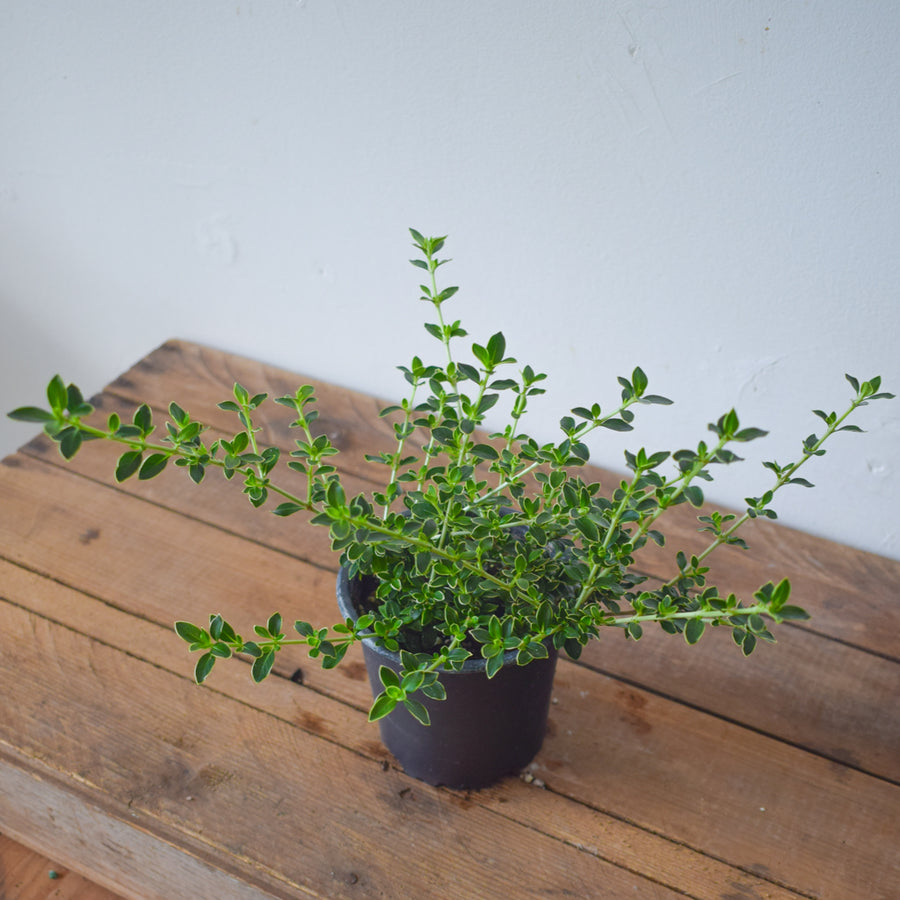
[(667, 772)]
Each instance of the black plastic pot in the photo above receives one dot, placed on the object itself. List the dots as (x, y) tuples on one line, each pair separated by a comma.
[(485, 729)]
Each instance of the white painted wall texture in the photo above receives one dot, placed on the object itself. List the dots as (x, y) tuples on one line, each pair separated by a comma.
[(707, 189)]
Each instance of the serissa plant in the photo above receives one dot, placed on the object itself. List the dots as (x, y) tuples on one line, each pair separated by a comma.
[(476, 544)]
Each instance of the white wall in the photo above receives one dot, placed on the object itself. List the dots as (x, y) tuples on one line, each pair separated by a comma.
[(707, 189)]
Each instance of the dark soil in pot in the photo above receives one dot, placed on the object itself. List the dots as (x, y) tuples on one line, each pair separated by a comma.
[(485, 729)]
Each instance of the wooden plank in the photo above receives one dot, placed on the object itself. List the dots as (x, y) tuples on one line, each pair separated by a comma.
[(620, 714), (286, 807), (763, 806), (70, 529), (783, 691), (812, 692), (26, 875), (815, 803), (120, 848), (627, 708), (605, 836)]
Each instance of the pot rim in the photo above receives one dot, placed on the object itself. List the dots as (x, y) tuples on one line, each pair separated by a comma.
[(472, 665)]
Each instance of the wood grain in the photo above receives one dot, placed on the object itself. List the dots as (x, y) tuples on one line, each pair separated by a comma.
[(178, 757), (26, 875), (781, 690), (661, 798), (668, 771), (572, 822)]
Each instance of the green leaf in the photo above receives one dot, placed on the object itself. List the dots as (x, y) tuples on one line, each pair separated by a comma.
[(494, 664), (179, 416), (729, 423), (544, 617), (262, 665), (588, 528), (143, 418), (57, 395), (382, 706), (75, 402), (639, 381), (417, 711), (756, 623), (694, 495), (204, 667), (780, 594), (69, 442), (152, 466), (484, 451), (748, 644), (694, 629), (287, 509), (128, 464), (388, 677), (617, 425), (220, 650), (334, 494), (536, 650), (750, 434), (435, 691), (794, 613), (188, 632), (496, 348), (581, 451), (482, 355), (216, 623), (31, 414)]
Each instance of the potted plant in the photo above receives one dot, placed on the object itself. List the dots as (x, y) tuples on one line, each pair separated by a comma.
[(482, 557)]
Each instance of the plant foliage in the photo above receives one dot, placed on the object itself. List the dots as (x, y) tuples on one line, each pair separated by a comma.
[(478, 544)]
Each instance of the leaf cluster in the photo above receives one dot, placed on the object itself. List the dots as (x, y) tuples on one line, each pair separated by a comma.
[(478, 543)]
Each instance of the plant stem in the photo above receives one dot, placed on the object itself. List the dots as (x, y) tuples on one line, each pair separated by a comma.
[(710, 615), (401, 442), (780, 482)]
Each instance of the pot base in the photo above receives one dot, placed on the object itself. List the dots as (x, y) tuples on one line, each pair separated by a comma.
[(485, 729)]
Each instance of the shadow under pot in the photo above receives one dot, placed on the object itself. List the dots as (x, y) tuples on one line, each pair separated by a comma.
[(485, 729)]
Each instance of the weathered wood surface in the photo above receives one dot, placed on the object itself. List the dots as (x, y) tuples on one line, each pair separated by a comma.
[(669, 771), (26, 875)]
